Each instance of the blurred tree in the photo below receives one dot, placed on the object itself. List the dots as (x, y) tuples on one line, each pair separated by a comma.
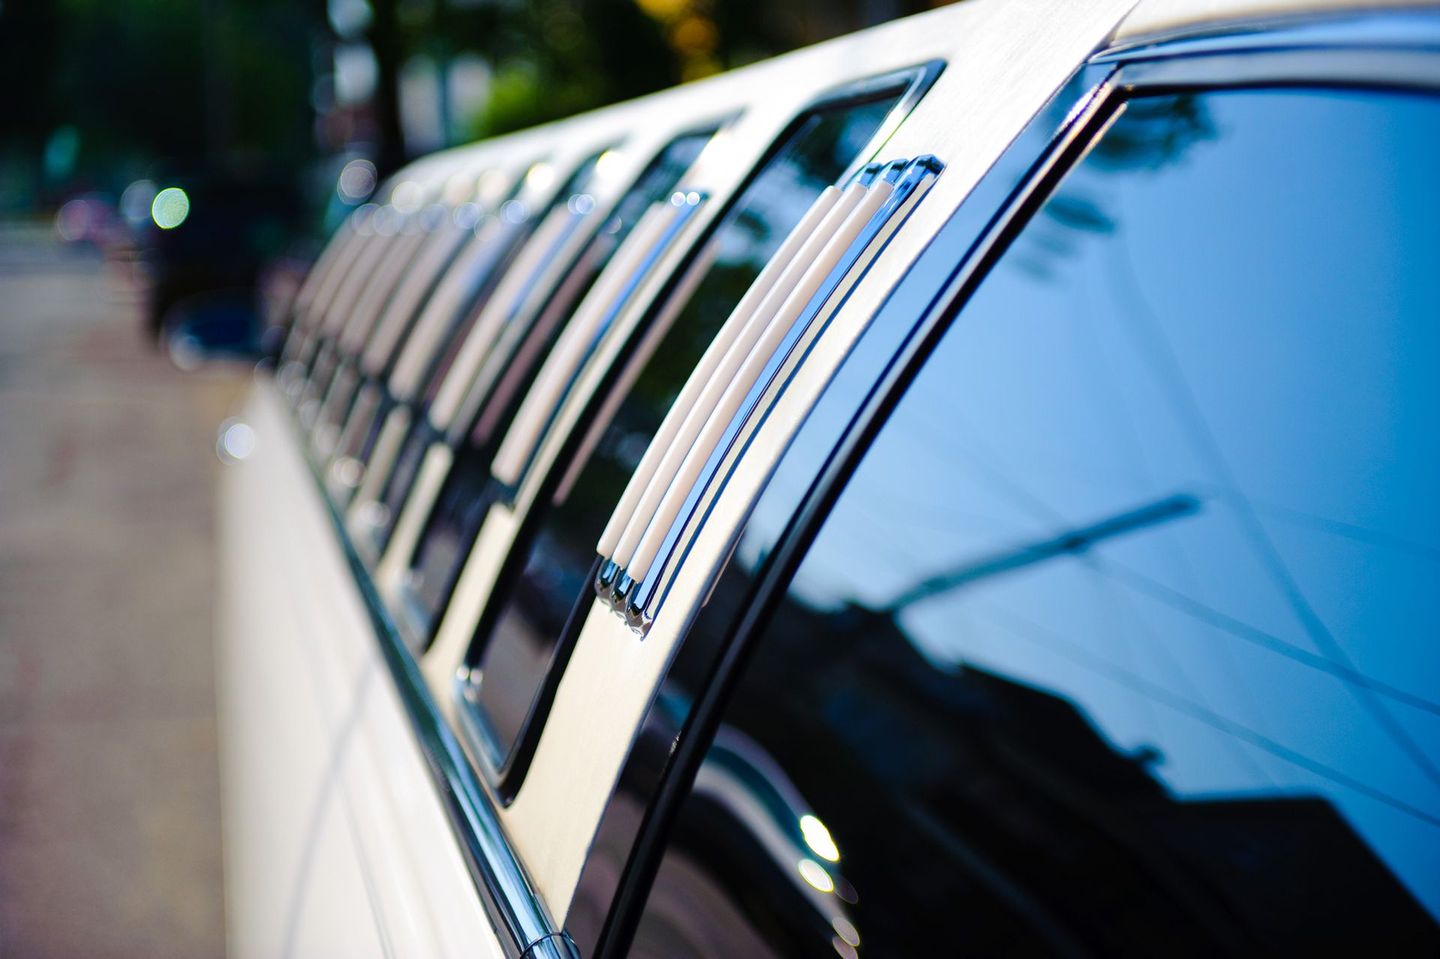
[(386, 41), (192, 86), (99, 92), (561, 57), (554, 58)]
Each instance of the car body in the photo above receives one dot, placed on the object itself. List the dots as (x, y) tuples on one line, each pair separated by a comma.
[(1020, 544)]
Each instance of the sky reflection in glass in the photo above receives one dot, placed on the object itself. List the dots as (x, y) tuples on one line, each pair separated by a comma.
[(1240, 310)]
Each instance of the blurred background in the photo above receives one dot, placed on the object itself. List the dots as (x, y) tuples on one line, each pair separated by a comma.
[(209, 139), (163, 162)]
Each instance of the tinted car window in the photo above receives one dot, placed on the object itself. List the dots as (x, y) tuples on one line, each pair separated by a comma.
[(1120, 638), (553, 581), (468, 491)]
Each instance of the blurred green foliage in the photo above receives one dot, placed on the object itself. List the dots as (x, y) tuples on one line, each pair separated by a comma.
[(99, 92), (559, 57), (146, 82)]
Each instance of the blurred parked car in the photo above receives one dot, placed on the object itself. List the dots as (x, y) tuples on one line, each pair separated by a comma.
[(964, 488)]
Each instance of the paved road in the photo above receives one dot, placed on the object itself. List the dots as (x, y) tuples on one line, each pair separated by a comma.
[(109, 794)]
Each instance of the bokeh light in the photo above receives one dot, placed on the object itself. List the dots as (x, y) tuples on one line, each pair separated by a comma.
[(815, 874), (235, 441), (407, 196), (136, 200), (170, 208), (357, 181)]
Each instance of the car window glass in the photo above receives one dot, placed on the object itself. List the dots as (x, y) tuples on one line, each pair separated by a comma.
[(1120, 638)]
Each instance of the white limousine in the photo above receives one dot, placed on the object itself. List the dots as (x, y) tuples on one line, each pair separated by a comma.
[(966, 488)]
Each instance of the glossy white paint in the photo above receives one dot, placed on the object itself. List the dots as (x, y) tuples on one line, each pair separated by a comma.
[(336, 843), (1159, 18)]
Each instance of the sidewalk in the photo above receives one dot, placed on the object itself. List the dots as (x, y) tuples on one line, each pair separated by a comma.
[(109, 797)]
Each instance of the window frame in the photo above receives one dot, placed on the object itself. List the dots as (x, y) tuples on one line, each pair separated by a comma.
[(414, 397), (915, 80), (507, 775), (478, 396), (1375, 51)]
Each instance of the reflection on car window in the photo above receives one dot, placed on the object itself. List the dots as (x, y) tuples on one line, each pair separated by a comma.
[(468, 490), (558, 561), (1121, 638)]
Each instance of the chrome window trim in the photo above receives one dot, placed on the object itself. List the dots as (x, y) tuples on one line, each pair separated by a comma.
[(411, 381), (325, 276), (556, 225), (640, 602), (419, 227), (347, 308), (1306, 51), (497, 185), (479, 394), (486, 559), (324, 354), (330, 354), (398, 316), (487, 385), (913, 81), (418, 360), (318, 278), (686, 204), (920, 79), (505, 774)]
